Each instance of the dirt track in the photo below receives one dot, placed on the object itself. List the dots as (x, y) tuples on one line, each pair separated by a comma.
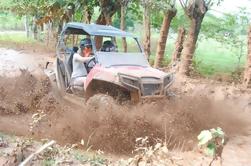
[(198, 105)]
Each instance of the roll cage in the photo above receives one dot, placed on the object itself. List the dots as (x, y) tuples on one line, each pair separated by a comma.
[(93, 30), (65, 52)]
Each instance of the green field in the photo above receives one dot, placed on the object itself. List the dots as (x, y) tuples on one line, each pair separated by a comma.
[(213, 57), (17, 37)]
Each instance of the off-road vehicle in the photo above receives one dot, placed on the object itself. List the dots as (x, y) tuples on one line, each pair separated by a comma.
[(120, 72)]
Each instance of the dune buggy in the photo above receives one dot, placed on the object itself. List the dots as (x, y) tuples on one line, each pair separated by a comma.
[(120, 73)]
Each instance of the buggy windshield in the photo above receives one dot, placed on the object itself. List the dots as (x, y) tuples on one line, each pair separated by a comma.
[(108, 59)]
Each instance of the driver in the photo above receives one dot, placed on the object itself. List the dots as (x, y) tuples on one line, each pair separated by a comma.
[(79, 72)]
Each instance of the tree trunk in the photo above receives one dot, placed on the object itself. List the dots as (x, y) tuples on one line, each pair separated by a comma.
[(163, 37), (178, 45), (48, 28), (88, 17), (190, 44), (147, 32), (27, 28), (35, 29), (108, 9), (123, 26), (99, 39), (247, 74), (47, 35), (108, 18), (60, 28)]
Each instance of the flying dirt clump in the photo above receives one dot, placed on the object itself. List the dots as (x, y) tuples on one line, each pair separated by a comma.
[(24, 93)]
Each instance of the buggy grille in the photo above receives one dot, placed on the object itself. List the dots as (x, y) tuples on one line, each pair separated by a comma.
[(151, 89)]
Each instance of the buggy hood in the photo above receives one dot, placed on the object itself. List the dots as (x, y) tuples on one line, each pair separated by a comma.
[(132, 64)]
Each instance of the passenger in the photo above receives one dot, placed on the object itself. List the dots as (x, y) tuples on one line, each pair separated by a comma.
[(108, 46), (79, 72)]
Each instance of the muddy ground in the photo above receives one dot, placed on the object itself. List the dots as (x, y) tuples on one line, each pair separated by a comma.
[(30, 108)]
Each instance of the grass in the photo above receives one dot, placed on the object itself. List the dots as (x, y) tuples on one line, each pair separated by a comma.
[(48, 162), (17, 37), (88, 157), (212, 57)]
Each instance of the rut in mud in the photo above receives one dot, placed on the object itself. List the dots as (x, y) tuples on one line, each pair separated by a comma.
[(107, 125)]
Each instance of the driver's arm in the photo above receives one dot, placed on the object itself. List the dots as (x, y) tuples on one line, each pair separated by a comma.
[(81, 59)]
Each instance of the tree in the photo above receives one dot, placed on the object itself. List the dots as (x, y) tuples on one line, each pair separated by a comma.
[(43, 12), (178, 45), (169, 12), (247, 74), (86, 9), (229, 29), (147, 4), (89, 10), (124, 5), (107, 9), (25, 8), (195, 10)]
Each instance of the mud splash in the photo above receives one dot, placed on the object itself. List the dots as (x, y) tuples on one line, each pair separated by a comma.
[(107, 125), (116, 129), (24, 93)]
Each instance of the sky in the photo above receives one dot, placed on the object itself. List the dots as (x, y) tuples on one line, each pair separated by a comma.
[(232, 5)]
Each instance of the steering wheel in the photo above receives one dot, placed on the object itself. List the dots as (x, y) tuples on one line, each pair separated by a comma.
[(90, 64)]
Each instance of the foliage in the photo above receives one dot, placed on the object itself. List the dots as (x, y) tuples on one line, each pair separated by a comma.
[(129, 22), (134, 11), (230, 30), (157, 6), (133, 15), (211, 140), (9, 21), (186, 4), (149, 155)]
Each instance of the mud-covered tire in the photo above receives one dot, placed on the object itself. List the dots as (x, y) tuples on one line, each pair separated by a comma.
[(101, 102)]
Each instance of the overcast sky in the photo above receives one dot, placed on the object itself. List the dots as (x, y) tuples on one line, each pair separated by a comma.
[(232, 5)]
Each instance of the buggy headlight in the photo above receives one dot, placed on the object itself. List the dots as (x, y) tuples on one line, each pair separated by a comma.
[(168, 80), (129, 81)]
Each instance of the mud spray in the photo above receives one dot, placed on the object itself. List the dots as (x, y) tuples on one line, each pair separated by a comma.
[(107, 125)]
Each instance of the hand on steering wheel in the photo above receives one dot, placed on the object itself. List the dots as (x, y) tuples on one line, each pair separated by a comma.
[(90, 64)]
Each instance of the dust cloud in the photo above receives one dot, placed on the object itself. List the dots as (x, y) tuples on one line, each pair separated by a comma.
[(107, 125)]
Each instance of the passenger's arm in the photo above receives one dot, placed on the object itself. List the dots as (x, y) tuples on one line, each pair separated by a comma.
[(81, 59)]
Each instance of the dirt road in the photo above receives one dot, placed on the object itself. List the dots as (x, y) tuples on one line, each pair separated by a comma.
[(12, 61), (198, 105)]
